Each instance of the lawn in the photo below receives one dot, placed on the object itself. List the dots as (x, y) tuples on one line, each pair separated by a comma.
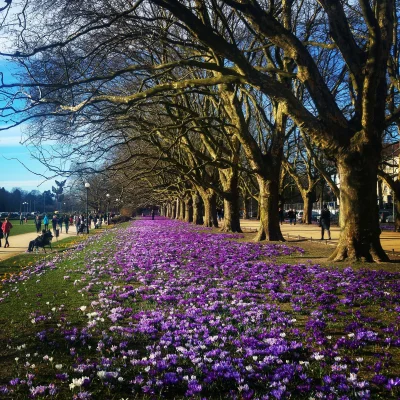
[(18, 229), (163, 309)]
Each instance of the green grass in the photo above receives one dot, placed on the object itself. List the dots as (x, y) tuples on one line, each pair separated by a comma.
[(17, 263), (18, 229), (47, 294)]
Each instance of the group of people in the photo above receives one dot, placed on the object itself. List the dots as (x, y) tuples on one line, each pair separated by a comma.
[(324, 221), (291, 214), (58, 222)]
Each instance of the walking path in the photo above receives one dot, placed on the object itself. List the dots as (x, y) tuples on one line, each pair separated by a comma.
[(19, 243), (390, 240)]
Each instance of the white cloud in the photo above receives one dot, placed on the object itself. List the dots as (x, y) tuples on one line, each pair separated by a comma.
[(11, 137), (10, 140)]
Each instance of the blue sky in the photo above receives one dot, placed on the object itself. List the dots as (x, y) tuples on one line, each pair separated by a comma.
[(12, 172)]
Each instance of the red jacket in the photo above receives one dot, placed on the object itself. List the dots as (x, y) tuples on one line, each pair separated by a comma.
[(6, 226)]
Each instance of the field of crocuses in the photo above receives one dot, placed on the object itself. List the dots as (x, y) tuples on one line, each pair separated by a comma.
[(163, 309)]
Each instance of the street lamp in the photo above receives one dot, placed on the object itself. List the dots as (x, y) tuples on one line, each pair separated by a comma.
[(87, 186), (116, 202), (25, 203), (108, 203)]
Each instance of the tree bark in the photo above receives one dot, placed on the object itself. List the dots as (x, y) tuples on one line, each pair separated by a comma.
[(245, 212), (188, 209), (359, 238), (181, 209), (380, 194), (269, 214), (174, 210), (308, 199), (209, 198), (197, 211), (229, 182), (169, 210)]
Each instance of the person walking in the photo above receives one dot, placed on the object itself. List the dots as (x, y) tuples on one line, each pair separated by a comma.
[(1, 234), (6, 228), (77, 223), (325, 222), (46, 222), (54, 222), (38, 223), (60, 222), (290, 216), (66, 223)]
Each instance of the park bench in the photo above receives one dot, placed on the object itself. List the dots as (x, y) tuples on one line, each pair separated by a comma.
[(42, 242)]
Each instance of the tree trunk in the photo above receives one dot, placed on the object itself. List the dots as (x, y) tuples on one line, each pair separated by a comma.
[(396, 217), (197, 211), (209, 198), (181, 209), (308, 199), (188, 209), (359, 238), (245, 212), (229, 182), (380, 194), (269, 214), (177, 209), (169, 210), (173, 210)]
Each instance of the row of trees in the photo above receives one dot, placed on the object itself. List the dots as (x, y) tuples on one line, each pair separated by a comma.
[(209, 99), (19, 200)]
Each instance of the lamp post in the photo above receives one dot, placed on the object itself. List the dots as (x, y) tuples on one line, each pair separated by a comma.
[(25, 203), (108, 203), (393, 197), (87, 186), (116, 202)]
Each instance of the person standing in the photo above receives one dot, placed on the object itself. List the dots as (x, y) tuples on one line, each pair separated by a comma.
[(290, 216), (66, 223), (77, 223), (1, 234), (38, 223), (6, 228), (90, 219), (60, 222), (21, 219), (54, 222), (325, 222), (46, 222)]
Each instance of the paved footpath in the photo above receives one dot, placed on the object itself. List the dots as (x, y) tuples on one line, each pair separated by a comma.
[(390, 240), (19, 243)]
